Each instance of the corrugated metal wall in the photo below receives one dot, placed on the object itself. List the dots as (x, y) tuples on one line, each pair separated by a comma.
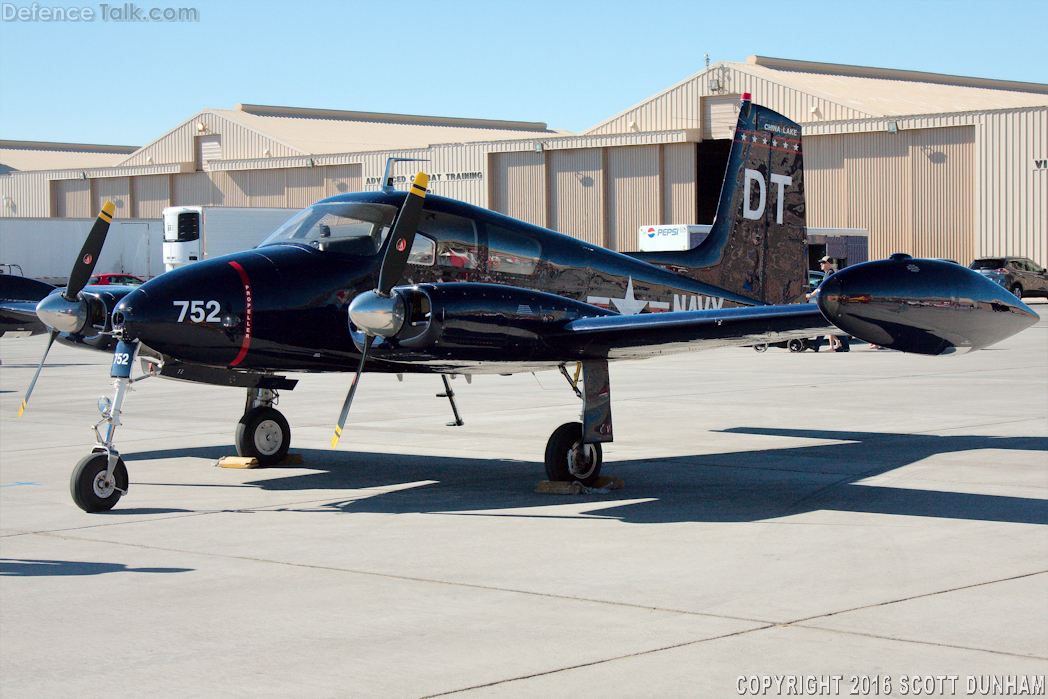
[(237, 142), (518, 185), (600, 195), (149, 195), (719, 116), (114, 189), (340, 179), (71, 198), (682, 106), (576, 191), (29, 194), (633, 193), (943, 177), (678, 183), (1011, 208), (913, 190), (192, 189)]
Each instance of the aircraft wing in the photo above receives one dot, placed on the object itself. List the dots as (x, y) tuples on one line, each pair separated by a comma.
[(24, 311), (651, 334)]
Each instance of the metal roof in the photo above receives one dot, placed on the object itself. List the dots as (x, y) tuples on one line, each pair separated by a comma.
[(880, 92), (864, 92), (315, 132), (38, 155)]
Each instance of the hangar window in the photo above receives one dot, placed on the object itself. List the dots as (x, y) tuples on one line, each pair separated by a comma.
[(352, 228), (512, 252)]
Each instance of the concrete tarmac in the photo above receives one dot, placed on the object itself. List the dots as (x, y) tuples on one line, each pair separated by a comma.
[(869, 516)]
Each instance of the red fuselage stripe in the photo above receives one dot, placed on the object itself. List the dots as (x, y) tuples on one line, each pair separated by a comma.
[(247, 314)]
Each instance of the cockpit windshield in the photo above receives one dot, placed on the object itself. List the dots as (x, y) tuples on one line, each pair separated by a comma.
[(353, 228)]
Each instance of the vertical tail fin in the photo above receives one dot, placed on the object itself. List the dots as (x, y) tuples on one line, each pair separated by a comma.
[(758, 244)]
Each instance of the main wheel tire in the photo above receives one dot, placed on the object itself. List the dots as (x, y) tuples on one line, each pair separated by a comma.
[(91, 490), (1017, 290), (795, 345), (567, 459), (263, 433)]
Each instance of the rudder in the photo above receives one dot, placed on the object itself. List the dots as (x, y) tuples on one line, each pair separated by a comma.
[(758, 244)]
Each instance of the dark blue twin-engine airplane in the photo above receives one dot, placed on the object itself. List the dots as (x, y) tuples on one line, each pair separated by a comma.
[(401, 282)]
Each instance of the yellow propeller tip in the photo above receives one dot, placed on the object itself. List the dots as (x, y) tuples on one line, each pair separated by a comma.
[(108, 208), (421, 181)]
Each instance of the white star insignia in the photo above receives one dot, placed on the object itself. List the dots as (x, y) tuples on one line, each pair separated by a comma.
[(629, 305)]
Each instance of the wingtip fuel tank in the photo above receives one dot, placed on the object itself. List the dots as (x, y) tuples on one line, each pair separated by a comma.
[(922, 306)]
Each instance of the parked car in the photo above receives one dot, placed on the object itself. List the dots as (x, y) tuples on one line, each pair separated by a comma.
[(107, 279), (1019, 275), (815, 278)]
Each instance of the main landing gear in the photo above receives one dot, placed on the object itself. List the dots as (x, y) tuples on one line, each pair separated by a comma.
[(573, 452), (263, 433)]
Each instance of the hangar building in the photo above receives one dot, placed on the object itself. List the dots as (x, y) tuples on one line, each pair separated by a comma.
[(932, 165)]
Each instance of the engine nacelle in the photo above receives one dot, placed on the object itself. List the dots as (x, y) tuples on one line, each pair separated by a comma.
[(477, 322)]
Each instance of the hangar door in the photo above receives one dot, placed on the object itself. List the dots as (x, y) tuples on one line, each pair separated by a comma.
[(518, 185), (912, 190)]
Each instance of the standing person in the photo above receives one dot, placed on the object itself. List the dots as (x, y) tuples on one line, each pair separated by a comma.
[(826, 265)]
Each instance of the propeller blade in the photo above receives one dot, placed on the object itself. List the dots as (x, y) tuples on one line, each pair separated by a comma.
[(368, 339), (85, 264), (403, 235), (50, 341)]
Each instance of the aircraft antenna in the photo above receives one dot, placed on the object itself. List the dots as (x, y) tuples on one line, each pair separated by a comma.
[(387, 177)]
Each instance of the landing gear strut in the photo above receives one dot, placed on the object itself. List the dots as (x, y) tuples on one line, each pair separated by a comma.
[(263, 433), (100, 478), (573, 452)]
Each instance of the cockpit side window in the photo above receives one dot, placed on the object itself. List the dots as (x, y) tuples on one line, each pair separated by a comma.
[(353, 228), (423, 251), (455, 238)]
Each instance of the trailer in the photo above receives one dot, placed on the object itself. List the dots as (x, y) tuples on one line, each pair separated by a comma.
[(46, 248), (193, 233)]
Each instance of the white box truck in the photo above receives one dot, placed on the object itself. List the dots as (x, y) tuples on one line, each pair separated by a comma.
[(194, 233)]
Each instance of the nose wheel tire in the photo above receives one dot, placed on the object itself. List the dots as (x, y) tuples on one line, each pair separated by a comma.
[(568, 459), (264, 434), (93, 490)]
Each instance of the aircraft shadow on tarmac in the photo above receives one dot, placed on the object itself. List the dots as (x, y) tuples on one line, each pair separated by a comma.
[(742, 486), (22, 567)]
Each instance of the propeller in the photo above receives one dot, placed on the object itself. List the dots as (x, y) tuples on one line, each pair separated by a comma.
[(380, 313), (68, 311)]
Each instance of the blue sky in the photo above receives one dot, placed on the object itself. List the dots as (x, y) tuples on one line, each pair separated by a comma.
[(569, 64)]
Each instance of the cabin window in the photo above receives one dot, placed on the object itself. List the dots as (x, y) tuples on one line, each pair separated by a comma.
[(512, 252), (456, 239)]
